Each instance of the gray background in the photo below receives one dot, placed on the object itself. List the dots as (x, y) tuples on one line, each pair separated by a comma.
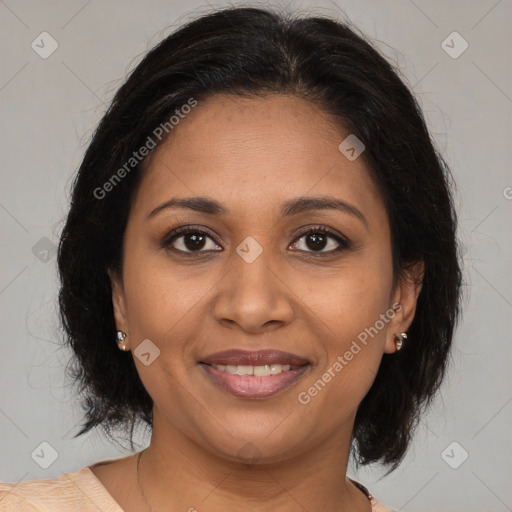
[(49, 109)]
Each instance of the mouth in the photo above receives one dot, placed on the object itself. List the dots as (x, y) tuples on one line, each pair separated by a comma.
[(260, 374)]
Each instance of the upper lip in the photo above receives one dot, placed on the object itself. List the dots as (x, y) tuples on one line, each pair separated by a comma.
[(254, 358)]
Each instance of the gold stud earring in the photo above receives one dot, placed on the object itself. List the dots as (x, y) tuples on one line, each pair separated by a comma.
[(400, 340), (120, 340)]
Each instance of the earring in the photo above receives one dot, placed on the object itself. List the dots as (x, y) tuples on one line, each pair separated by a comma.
[(120, 340), (400, 340)]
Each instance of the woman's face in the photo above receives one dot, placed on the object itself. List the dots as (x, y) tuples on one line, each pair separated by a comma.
[(256, 281)]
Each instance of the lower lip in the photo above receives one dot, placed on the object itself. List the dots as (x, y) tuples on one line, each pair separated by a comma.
[(249, 386)]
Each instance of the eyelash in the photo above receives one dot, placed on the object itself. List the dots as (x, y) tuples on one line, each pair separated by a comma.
[(343, 242)]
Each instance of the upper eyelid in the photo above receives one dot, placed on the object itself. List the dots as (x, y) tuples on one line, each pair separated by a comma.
[(183, 230)]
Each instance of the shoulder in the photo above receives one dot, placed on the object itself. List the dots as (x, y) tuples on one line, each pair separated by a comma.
[(69, 492), (377, 506)]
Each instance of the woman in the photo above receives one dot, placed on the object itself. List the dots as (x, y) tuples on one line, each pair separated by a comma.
[(264, 226)]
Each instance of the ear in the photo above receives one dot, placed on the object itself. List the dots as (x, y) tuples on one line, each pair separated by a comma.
[(118, 301), (403, 302)]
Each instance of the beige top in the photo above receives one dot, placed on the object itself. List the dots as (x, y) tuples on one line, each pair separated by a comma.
[(76, 492)]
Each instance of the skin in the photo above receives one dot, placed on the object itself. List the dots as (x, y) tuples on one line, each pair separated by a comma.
[(251, 155)]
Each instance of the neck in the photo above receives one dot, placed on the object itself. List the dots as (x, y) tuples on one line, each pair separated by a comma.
[(176, 473)]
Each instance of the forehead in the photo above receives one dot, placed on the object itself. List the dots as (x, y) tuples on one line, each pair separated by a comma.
[(252, 153)]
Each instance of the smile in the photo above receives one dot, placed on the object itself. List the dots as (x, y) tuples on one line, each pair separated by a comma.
[(246, 381), (258, 371)]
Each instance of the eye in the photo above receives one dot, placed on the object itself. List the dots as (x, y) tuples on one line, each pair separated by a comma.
[(317, 239), (188, 239)]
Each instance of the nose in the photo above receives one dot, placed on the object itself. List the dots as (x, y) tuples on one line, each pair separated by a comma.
[(253, 296)]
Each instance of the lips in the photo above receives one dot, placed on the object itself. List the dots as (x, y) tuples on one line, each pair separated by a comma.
[(256, 374), (254, 358)]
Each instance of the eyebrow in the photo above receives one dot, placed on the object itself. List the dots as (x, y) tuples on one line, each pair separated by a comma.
[(289, 208)]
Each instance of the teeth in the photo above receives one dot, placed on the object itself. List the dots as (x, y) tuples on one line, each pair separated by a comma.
[(258, 371)]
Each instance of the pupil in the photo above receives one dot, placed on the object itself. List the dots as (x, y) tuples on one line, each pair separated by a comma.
[(198, 244), (318, 241)]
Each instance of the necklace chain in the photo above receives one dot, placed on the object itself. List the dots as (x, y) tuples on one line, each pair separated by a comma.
[(138, 481)]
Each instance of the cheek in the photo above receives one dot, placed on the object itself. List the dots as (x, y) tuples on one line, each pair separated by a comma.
[(349, 299), (356, 315), (158, 296), (160, 309), (353, 352)]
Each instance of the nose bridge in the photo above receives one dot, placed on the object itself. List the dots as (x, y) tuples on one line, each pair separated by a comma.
[(252, 269)]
